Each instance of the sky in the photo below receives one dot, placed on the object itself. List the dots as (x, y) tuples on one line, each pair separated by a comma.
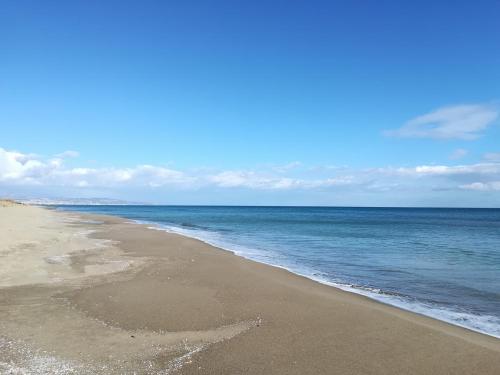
[(381, 103)]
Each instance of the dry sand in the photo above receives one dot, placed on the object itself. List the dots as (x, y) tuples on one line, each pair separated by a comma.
[(86, 294)]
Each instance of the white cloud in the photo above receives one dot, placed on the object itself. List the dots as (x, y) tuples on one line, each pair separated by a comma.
[(25, 169), (471, 169), (492, 156), (252, 180), (482, 186), (142, 175), (247, 179), (472, 177), (486, 169), (255, 180), (15, 165), (287, 167), (457, 122), (18, 169), (67, 154), (459, 153)]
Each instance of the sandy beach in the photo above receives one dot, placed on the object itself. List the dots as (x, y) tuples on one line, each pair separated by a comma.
[(89, 294)]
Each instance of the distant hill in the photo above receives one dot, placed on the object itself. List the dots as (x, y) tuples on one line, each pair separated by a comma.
[(8, 203), (78, 201)]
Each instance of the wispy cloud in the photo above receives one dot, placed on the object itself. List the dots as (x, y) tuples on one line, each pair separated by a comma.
[(484, 170), (250, 179), (465, 122), (67, 154), (287, 167), (459, 153), (482, 186), (266, 181), (492, 156)]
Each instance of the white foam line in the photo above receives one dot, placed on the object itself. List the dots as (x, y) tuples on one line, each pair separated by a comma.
[(485, 324)]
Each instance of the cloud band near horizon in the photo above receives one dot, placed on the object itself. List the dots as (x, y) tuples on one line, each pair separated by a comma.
[(25, 169)]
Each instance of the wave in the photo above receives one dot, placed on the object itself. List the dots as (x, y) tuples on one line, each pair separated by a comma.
[(486, 324)]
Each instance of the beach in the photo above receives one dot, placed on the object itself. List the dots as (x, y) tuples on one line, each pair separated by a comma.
[(94, 294)]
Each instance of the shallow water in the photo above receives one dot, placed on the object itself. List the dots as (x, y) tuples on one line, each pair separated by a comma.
[(443, 263)]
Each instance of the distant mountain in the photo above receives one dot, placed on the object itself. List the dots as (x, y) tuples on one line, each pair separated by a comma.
[(78, 201)]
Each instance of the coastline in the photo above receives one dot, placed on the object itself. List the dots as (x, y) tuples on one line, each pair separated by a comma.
[(205, 310), (375, 295)]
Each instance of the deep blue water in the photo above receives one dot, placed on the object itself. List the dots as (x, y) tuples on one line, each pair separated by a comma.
[(439, 262)]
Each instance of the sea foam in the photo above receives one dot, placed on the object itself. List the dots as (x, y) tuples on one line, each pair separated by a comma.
[(486, 324)]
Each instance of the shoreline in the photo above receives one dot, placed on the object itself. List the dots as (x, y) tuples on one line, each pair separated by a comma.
[(340, 287), (202, 309), (386, 299)]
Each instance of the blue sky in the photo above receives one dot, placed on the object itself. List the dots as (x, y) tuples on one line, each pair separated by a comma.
[(263, 102)]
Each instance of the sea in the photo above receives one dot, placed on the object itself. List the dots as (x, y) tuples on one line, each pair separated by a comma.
[(439, 262)]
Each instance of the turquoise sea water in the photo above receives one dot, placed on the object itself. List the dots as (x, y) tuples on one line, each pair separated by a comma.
[(443, 263)]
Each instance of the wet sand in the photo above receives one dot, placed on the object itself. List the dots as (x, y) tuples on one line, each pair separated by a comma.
[(91, 294)]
